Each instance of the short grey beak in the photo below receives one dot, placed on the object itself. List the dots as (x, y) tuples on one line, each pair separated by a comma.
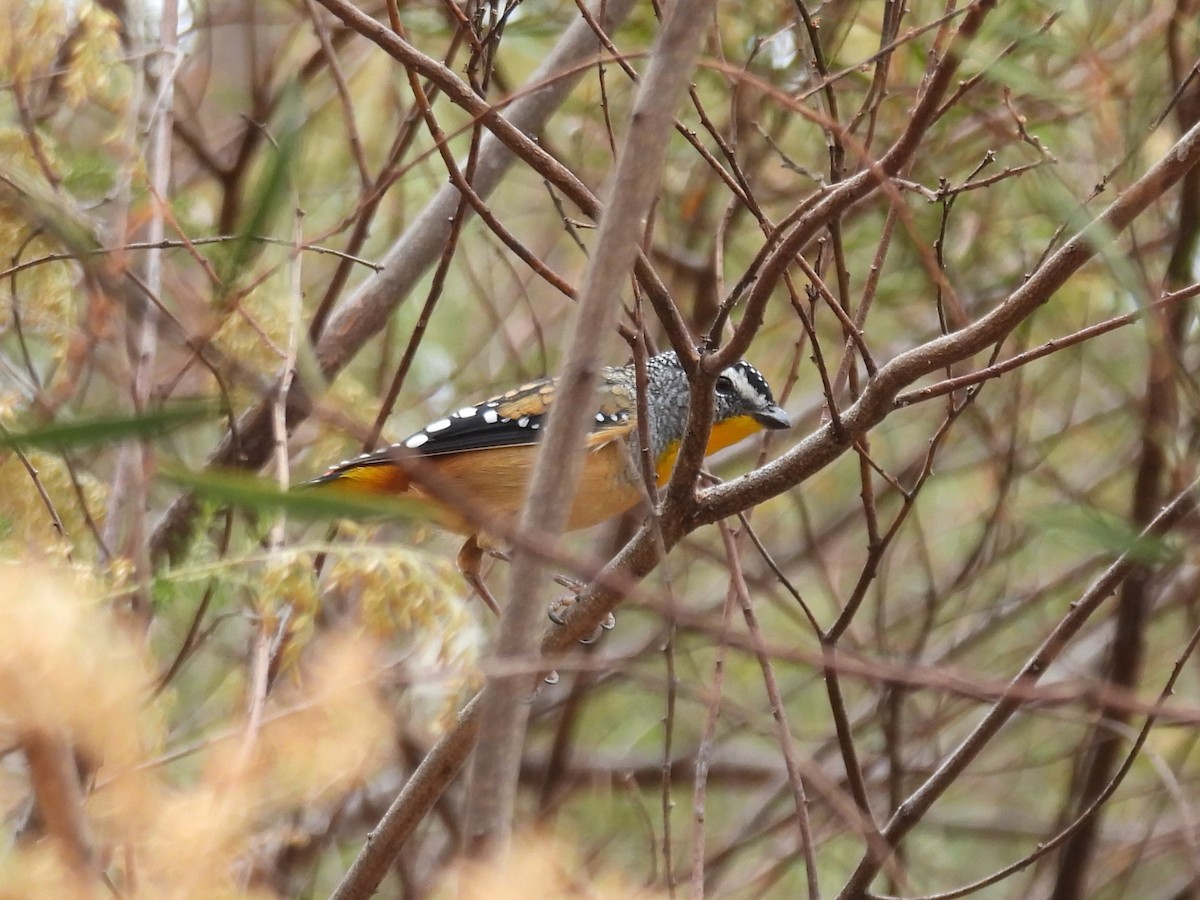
[(773, 417)]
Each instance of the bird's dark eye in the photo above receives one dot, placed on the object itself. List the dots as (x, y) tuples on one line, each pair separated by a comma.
[(725, 384)]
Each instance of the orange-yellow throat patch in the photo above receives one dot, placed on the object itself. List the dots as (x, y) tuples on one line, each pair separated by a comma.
[(723, 434)]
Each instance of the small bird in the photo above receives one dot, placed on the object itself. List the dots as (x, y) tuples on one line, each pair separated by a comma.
[(487, 450)]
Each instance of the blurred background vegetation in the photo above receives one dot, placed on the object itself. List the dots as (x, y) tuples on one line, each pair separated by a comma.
[(208, 691)]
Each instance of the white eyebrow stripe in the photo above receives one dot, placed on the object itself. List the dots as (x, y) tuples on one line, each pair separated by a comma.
[(742, 384)]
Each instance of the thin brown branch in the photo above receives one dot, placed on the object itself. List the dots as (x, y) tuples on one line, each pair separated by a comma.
[(950, 385), (364, 313), (919, 801), (1046, 847), (560, 459), (817, 450), (715, 694), (787, 744), (55, 779), (1151, 484)]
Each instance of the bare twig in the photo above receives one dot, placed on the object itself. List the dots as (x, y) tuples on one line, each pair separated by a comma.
[(364, 313), (556, 473), (950, 385), (818, 449), (704, 746), (55, 779), (787, 744), (919, 801)]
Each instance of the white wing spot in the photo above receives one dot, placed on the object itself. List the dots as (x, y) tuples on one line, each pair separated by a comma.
[(416, 440), (600, 418), (465, 413), (439, 425), (491, 416), (523, 421), (536, 425)]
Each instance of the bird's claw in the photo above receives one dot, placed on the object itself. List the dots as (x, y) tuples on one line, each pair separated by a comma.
[(558, 607), (557, 611), (571, 584)]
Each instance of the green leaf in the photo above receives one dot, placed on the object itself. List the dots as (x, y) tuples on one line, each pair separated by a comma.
[(1109, 534), (108, 429), (304, 501), (270, 192)]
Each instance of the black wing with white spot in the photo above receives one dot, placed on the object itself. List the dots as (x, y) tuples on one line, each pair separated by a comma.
[(513, 419), (510, 420)]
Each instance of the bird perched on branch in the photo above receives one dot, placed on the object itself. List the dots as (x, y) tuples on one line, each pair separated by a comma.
[(486, 450)]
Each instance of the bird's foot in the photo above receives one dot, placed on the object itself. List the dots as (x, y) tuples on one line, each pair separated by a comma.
[(470, 563), (557, 612), (574, 585)]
